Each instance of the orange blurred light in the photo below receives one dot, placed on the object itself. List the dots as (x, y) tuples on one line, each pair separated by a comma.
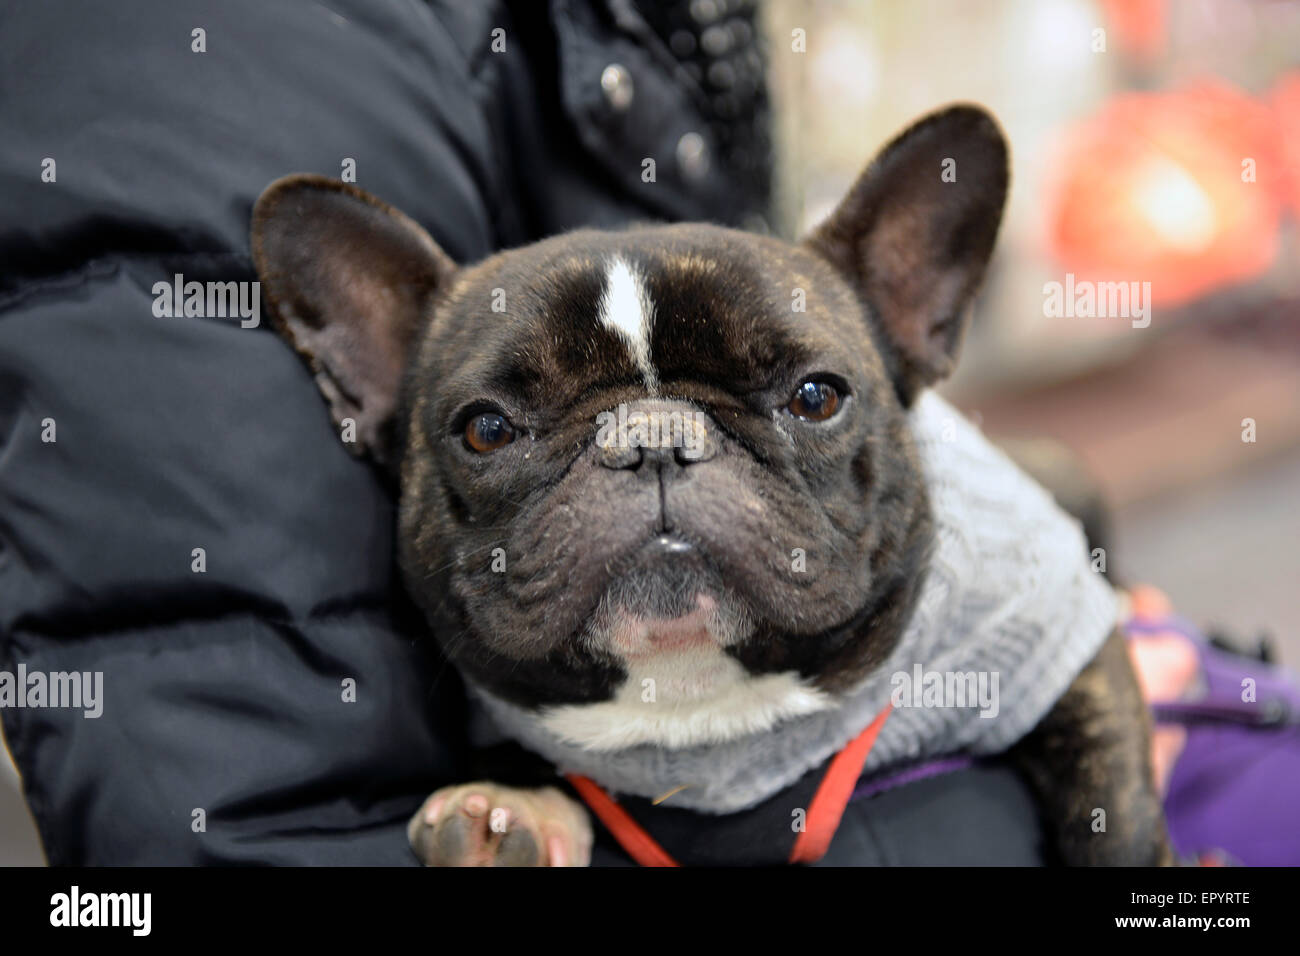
[(1141, 26), (1286, 114), (1155, 187)]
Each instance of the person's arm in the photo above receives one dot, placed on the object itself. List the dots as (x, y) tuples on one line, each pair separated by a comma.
[(176, 514)]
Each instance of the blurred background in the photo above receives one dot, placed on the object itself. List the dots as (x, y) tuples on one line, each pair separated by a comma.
[(1152, 141)]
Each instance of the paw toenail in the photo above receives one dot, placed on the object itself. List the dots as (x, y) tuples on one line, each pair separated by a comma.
[(431, 815), (555, 849)]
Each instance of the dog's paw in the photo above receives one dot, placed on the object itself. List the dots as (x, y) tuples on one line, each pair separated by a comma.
[(485, 824)]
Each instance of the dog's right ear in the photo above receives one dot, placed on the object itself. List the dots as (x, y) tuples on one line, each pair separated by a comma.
[(350, 282)]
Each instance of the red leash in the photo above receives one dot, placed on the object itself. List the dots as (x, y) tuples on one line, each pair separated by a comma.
[(824, 811), (639, 845)]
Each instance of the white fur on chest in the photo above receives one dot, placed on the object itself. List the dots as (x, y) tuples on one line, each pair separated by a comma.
[(677, 700)]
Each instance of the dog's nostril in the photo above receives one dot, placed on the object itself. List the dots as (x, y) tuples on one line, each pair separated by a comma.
[(687, 455)]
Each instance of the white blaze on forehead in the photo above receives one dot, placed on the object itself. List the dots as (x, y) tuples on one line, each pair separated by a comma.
[(626, 310)]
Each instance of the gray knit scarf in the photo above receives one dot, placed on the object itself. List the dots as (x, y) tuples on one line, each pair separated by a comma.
[(1009, 592)]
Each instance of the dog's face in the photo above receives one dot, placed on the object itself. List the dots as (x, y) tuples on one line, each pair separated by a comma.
[(658, 482)]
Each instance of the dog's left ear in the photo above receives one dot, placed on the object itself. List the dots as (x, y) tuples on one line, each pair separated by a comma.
[(915, 233)]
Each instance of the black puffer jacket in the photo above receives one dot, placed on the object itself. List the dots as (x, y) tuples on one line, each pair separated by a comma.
[(227, 732)]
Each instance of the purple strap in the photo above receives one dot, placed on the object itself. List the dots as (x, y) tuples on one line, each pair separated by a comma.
[(930, 768)]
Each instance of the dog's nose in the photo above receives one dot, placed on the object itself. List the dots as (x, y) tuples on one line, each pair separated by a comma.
[(655, 433)]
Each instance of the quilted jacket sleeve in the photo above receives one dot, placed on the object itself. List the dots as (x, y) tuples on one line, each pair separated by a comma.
[(176, 513)]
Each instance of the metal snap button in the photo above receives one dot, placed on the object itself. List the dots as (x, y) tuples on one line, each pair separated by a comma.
[(693, 156), (616, 83)]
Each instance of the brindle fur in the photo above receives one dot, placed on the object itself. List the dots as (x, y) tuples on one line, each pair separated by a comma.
[(1092, 752)]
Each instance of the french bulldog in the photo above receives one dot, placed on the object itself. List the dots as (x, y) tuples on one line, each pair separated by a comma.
[(556, 561)]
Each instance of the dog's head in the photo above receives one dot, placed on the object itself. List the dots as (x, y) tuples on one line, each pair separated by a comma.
[(666, 468)]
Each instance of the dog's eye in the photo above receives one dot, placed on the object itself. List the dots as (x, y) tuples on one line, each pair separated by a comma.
[(488, 431), (814, 401)]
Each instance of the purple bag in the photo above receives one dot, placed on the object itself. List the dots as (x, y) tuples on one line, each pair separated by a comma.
[(1235, 789)]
